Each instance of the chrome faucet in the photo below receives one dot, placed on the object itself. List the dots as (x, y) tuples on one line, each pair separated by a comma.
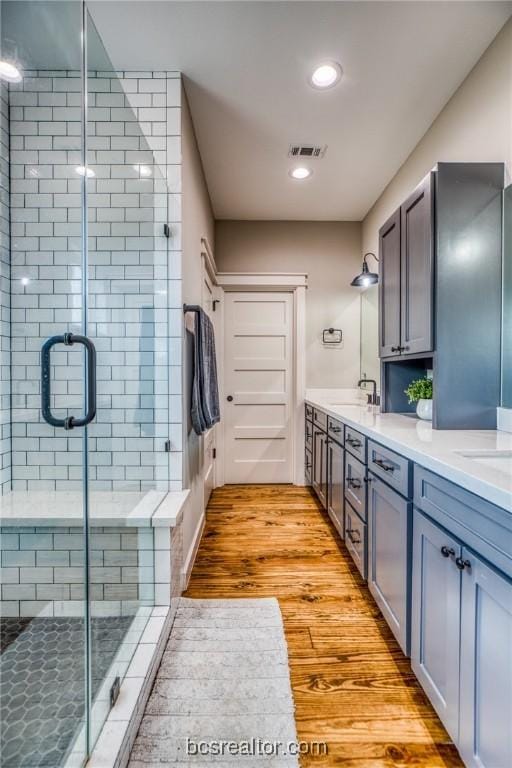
[(373, 399)]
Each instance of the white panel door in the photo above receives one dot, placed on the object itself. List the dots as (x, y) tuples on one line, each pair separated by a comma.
[(258, 378)]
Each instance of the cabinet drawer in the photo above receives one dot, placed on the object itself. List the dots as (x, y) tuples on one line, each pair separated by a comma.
[(391, 467), (355, 442), (308, 466), (355, 484), (309, 412), (356, 538), (479, 524), (320, 419), (308, 436), (335, 430)]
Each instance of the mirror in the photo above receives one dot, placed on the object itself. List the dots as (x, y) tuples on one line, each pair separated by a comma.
[(506, 332), (370, 365)]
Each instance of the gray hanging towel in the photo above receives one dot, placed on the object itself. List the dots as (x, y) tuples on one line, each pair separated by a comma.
[(205, 410)]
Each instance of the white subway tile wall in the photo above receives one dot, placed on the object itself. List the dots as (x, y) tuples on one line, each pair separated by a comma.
[(42, 571), (5, 298), (134, 279)]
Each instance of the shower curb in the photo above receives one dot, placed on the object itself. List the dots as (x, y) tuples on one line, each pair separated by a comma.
[(112, 750)]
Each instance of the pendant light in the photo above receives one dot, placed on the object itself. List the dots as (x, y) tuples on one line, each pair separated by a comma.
[(366, 278)]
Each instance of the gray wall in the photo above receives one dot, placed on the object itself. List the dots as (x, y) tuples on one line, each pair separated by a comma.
[(474, 126), (330, 253), (197, 223)]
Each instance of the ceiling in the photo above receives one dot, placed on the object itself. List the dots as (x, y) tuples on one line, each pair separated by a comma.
[(246, 66)]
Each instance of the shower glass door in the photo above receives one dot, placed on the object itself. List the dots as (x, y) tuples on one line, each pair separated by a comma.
[(44, 685), (84, 358), (126, 302)]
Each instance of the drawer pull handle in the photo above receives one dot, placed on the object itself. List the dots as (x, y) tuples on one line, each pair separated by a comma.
[(335, 429), (447, 551), (354, 442), (386, 467), (350, 533), (462, 564), (353, 482)]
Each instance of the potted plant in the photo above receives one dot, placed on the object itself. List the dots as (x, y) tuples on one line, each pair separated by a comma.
[(420, 391)]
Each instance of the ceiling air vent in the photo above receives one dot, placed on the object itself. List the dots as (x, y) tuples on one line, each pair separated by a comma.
[(306, 150)]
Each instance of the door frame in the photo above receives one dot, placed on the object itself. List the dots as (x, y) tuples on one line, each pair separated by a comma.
[(282, 282), (209, 273)]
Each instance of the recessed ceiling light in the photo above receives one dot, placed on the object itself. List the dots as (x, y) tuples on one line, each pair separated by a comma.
[(84, 171), (9, 72), (301, 173), (326, 75)]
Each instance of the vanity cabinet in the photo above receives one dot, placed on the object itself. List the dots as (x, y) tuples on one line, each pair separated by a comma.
[(485, 732), (438, 561), (308, 445), (389, 537), (319, 478), (436, 618), (335, 503), (462, 617)]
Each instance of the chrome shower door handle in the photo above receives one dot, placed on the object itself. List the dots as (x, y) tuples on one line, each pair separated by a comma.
[(68, 339)]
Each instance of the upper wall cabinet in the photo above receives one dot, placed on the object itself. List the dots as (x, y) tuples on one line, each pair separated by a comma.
[(440, 294), (407, 268)]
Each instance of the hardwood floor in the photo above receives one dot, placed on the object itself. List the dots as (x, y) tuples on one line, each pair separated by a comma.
[(353, 687)]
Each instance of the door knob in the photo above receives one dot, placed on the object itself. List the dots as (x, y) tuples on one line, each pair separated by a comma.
[(229, 398)]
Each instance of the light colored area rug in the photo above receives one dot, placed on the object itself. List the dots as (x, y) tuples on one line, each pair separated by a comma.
[(222, 691)]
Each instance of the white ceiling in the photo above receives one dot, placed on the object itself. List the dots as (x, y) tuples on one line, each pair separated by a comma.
[(246, 66)]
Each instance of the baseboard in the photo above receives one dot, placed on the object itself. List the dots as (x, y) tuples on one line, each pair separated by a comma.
[(189, 560)]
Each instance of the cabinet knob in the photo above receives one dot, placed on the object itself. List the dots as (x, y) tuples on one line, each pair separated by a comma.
[(229, 398), (462, 564), (395, 349), (447, 551)]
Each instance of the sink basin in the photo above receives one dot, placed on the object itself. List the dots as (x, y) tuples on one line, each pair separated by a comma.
[(494, 459)]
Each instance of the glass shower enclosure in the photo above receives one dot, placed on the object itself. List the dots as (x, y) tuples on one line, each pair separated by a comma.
[(84, 368)]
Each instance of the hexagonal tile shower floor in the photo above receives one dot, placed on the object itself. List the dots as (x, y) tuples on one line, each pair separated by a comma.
[(42, 684)]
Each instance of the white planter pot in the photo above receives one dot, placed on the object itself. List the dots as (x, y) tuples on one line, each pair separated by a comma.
[(424, 409)]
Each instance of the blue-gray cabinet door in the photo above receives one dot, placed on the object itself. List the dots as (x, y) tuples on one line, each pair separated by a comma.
[(389, 538), (485, 739), (417, 269), (319, 480), (389, 287), (435, 630), (335, 485)]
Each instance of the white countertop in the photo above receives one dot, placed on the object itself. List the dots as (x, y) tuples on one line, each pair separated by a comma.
[(436, 450), (106, 508)]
